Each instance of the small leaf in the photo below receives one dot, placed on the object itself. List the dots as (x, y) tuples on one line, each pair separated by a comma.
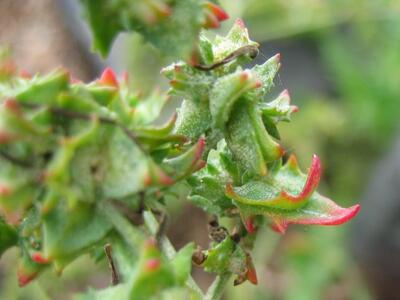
[(226, 91), (266, 74), (236, 38), (27, 269), (193, 119), (289, 197), (181, 263), (264, 194), (185, 164), (243, 142), (41, 90), (278, 109), (152, 275), (8, 236), (125, 167), (148, 109), (68, 232), (218, 257)]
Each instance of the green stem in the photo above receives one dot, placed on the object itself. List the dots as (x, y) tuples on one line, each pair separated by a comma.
[(131, 234), (168, 249), (216, 290)]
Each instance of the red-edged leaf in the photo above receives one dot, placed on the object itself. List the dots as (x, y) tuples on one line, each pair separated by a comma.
[(188, 162), (289, 197), (321, 212)]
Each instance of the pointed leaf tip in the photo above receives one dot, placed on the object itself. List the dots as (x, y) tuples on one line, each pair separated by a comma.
[(312, 181), (201, 143), (5, 190), (248, 224), (285, 93), (338, 215), (108, 78), (217, 11), (11, 105), (25, 74), (38, 258), (251, 274), (152, 264), (210, 21), (292, 163), (334, 215), (239, 22), (24, 279), (279, 226)]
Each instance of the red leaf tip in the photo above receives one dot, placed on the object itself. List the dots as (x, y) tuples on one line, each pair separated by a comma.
[(217, 11), (152, 264), (108, 78), (37, 257), (251, 274), (24, 279), (248, 224), (341, 215), (229, 190), (11, 105), (277, 58), (285, 93), (4, 190), (239, 22)]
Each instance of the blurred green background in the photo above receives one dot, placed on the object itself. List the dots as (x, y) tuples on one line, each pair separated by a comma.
[(341, 64)]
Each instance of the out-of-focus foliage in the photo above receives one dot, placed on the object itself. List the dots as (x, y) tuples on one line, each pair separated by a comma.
[(172, 26), (67, 149), (279, 18)]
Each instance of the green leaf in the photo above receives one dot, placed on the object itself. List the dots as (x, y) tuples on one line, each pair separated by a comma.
[(172, 26), (266, 74), (186, 163), (278, 109), (148, 109), (152, 275), (182, 263), (193, 119), (289, 197), (236, 38), (125, 167), (68, 232), (176, 34), (226, 91), (41, 90), (104, 32), (8, 236), (27, 269), (243, 142), (225, 257), (17, 190), (219, 257), (208, 184), (188, 82)]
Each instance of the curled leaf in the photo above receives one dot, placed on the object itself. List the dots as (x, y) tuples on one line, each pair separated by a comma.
[(289, 197)]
